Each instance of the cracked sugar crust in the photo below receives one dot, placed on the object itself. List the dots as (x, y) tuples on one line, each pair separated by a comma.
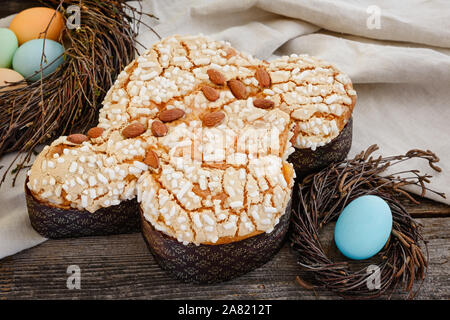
[(211, 184), (318, 97)]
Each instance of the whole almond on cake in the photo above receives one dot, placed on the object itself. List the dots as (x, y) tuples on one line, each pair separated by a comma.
[(212, 119)]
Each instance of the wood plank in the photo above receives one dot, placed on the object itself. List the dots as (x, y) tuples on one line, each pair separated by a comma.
[(427, 208), (10, 7), (121, 267)]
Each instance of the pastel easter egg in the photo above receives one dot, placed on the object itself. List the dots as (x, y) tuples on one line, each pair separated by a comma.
[(31, 24), (363, 227), (27, 59), (9, 45), (7, 76)]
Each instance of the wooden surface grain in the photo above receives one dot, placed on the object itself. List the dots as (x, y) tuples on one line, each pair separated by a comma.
[(121, 266), (8, 7)]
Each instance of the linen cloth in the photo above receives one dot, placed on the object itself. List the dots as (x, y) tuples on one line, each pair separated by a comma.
[(397, 54)]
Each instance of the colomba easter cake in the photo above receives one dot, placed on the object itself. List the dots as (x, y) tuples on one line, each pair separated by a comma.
[(199, 141)]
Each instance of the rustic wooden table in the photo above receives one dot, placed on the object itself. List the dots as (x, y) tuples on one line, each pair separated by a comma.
[(121, 267)]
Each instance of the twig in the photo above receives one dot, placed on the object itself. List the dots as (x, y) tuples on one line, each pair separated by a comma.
[(68, 100), (323, 196)]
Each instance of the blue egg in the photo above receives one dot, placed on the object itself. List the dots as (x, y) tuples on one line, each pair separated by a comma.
[(363, 227), (27, 59)]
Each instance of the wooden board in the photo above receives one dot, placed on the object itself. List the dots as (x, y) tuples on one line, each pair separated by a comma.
[(11, 7), (427, 209), (121, 267)]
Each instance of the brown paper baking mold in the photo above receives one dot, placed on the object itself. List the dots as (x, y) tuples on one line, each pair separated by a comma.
[(55, 223), (306, 161), (207, 263)]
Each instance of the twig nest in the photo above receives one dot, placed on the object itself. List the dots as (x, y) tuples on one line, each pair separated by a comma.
[(322, 198), (68, 98)]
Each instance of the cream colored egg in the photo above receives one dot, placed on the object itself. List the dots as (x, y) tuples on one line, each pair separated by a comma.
[(7, 76)]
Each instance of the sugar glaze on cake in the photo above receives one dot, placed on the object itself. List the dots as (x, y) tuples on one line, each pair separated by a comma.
[(213, 184)]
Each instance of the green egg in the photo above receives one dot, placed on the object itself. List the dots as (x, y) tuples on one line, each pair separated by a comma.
[(9, 44)]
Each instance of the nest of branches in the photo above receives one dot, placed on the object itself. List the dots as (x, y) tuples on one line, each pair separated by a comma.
[(321, 199), (68, 100)]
